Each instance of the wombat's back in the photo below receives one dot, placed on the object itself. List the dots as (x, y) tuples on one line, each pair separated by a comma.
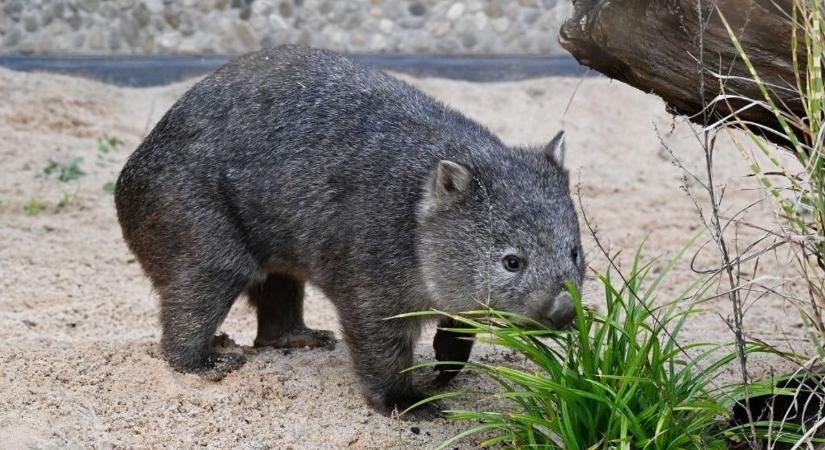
[(288, 139)]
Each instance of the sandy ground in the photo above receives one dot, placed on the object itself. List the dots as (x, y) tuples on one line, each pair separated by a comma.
[(78, 321)]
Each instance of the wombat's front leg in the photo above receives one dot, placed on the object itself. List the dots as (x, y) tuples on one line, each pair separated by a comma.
[(450, 346), (381, 350)]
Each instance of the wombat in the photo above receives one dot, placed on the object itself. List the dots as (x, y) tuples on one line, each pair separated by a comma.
[(295, 165)]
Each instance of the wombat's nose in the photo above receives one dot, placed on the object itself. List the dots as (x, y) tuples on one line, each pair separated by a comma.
[(562, 311)]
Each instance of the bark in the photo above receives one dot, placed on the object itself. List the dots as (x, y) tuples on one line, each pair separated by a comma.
[(654, 45)]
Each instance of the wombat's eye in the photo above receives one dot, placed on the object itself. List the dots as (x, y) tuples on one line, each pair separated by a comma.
[(574, 253), (512, 263)]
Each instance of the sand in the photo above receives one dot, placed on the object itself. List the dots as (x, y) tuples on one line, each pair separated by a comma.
[(78, 321)]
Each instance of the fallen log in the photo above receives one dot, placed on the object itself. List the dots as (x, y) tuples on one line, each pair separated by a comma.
[(656, 46)]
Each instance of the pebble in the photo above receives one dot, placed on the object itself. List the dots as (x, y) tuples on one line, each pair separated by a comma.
[(154, 6), (13, 9), (142, 15), (130, 32), (168, 42), (455, 11), (30, 23), (247, 34), (441, 29), (89, 6), (501, 24), (385, 25), (285, 9), (417, 9)]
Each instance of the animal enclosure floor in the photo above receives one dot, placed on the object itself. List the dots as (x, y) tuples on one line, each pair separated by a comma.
[(78, 321)]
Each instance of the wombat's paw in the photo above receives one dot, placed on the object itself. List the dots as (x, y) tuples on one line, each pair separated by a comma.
[(427, 412), (299, 338), (397, 408), (217, 365), (445, 375), (224, 342)]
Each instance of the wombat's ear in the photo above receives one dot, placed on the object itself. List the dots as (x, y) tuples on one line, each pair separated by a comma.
[(448, 182), (556, 149), (451, 180)]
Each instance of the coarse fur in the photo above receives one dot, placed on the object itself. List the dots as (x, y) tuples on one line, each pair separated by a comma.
[(295, 165)]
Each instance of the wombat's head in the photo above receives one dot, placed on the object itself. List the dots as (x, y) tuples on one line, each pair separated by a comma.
[(502, 231)]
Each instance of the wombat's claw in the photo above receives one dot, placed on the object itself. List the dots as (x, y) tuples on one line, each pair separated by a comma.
[(397, 409), (444, 376), (218, 365), (428, 411), (300, 338), (223, 341)]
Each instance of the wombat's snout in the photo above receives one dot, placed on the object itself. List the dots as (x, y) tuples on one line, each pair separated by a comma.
[(561, 311)]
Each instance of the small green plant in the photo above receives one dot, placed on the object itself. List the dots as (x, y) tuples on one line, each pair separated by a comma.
[(66, 172), (66, 199), (108, 144), (617, 380), (109, 187), (33, 207)]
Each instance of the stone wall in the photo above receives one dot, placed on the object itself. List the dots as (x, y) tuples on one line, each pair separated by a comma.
[(236, 26)]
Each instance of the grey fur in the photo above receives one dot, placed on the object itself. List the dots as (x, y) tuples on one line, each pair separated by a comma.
[(296, 165)]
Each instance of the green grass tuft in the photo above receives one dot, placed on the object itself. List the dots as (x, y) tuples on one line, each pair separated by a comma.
[(618, 379)]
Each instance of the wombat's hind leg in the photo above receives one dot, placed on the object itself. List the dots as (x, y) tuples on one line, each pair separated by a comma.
[(192, 309), (279, 302)]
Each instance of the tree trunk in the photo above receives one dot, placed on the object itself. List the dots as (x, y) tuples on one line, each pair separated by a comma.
[(654, 45)]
